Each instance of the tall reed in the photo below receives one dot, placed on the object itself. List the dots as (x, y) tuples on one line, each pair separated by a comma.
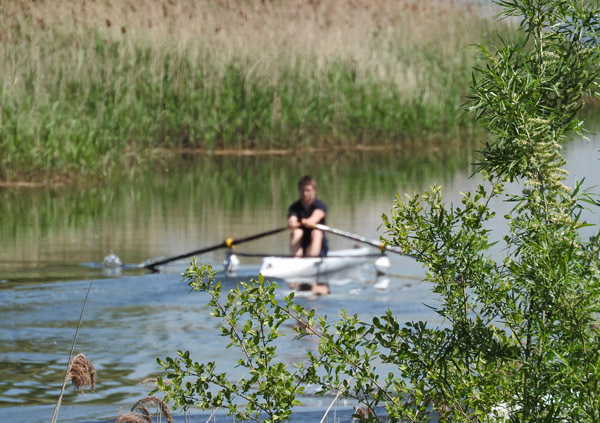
[(88, 86)]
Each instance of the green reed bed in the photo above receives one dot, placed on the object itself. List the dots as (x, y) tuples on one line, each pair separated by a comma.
[(87, 88)]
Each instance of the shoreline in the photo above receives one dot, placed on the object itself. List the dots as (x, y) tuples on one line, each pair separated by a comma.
[(168, 154)]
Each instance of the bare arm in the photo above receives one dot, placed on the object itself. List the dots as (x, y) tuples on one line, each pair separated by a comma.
[(314, 218), (293, 222)]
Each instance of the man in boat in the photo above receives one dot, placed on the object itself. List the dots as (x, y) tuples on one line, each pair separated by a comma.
[(303, 215), (305, 239)]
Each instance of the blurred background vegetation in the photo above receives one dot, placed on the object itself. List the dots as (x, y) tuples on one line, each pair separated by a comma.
[(90, 89)]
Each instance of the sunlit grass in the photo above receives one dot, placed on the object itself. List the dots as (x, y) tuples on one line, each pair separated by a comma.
[(88, 86)]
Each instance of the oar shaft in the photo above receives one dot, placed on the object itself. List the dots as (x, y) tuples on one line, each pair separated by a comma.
[(260, 235), (152, 264), (227, 243), (374, 243)]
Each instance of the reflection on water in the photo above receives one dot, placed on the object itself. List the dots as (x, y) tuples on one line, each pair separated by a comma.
[(52, 243)]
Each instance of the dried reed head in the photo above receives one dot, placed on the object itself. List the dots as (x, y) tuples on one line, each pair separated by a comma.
[(152, 381), (363, 413), (82, 373), (141, 407), (134, 418), (365, 32)]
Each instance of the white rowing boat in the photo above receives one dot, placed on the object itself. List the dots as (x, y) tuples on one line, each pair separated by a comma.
[(311, 269), (342, 265)]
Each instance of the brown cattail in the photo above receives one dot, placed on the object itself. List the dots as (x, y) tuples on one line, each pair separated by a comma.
[(82, 373)]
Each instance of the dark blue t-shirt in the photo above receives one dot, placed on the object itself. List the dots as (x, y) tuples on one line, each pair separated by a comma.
[(296, 209)]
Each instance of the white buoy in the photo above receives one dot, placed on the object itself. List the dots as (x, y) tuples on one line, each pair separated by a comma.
[(112, 261)]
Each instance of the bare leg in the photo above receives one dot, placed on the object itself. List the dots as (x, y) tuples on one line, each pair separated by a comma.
[(295, 239), (316, 243)]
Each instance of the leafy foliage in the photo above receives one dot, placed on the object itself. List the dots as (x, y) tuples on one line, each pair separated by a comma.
[(521, 332), (519, 340), (252, 317)]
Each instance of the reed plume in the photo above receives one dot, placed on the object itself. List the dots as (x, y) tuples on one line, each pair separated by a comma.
[(134, 418), (153, 381), (82, 373), (78, 358), (149, 381), (363, 413), (141, 409)]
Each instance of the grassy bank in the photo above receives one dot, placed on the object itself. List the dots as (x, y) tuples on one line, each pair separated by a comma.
[(90, 86)]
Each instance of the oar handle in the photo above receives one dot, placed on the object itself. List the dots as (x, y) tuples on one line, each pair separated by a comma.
[(372, 242), (229, 243)]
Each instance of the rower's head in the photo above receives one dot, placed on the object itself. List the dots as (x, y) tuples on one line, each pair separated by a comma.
[(307, 187)]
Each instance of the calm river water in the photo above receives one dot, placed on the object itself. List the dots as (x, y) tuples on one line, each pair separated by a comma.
[(52, 241)]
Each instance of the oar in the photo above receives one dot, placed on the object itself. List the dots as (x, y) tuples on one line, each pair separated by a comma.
[(372, 242), (229, 243)]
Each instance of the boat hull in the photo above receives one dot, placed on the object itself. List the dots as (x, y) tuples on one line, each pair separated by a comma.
[(311, 269)]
